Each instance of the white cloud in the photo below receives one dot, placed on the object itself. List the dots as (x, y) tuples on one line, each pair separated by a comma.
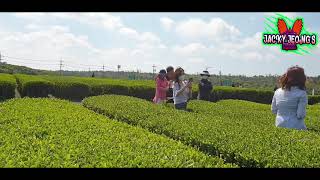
[(32, 26), (104, 20), (244, 50), (43, 40), (31, 16), (189, 49), (128, 32), (149, 37), (252, 56), (216, 29), (48, 44), (146, 38), (54, 42), (196, 60), (166, 23)]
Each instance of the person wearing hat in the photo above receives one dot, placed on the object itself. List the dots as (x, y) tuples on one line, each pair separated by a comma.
[(205, 87), (162, 86)]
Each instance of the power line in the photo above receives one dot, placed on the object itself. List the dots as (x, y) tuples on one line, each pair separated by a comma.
[(91, 65), (74, 67), (22, 62), (61, 63), (27, 59), (38, 60), (77, 66)]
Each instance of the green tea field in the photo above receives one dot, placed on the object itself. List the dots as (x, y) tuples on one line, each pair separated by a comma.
[(117, 125)]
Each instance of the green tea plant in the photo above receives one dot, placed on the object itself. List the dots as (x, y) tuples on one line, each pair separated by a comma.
[(76, 88), (33, 86), (68, 87), (7, 86), (245, 137), (42, 132)]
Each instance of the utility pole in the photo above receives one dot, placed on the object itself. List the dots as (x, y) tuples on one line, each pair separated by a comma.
[(154, 68), (220, 78), (119, 66), (60, 66), (1, 58), (103, 70)]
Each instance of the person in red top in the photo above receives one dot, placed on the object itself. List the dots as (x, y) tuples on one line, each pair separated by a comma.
[(162, 86)]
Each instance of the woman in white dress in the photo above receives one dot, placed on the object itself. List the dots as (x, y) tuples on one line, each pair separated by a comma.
[(290, 100)]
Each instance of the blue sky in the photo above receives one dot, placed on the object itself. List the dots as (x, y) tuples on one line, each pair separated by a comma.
[(230, 42)]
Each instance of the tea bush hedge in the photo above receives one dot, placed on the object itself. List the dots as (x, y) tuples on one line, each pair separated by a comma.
[(33, 86), (68, 87), (7, 86), (313, 99), (260, 96), (138, 88), (250, 110), (245, 137), (56, 133)]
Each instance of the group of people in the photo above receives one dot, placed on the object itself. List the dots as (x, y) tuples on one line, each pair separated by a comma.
[(288, 103), (171, 85)]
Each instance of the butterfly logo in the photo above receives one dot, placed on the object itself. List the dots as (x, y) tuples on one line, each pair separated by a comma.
[(295, 30)]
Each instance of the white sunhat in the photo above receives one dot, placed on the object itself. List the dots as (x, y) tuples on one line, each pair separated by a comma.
[(205, 73)]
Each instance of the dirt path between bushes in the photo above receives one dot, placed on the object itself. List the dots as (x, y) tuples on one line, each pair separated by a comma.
[(16, 93)]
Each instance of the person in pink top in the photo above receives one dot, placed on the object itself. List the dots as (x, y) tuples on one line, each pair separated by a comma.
[(162, 86)]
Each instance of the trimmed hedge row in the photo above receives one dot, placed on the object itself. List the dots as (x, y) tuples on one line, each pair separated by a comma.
[(238, 108), (79, 87), (245, 137), (141, 89), (313, 99), (7, 86), (260, 96), (57, 133), (33, 86), (68, 87)]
